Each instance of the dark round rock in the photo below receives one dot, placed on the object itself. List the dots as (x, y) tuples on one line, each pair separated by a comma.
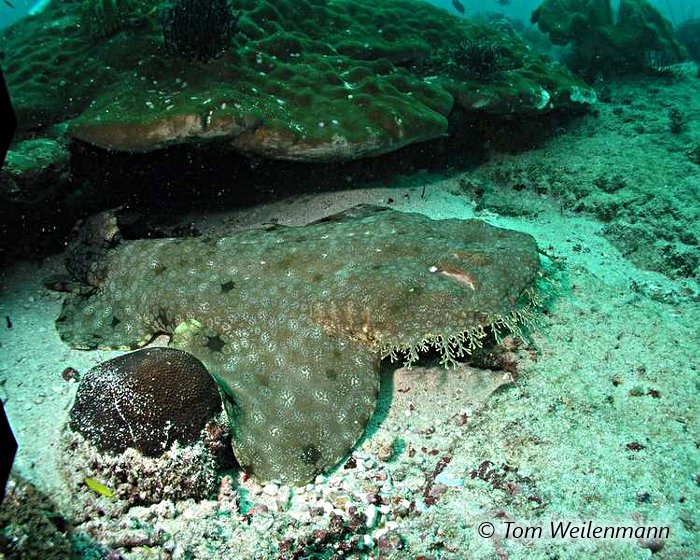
[(147, 400)]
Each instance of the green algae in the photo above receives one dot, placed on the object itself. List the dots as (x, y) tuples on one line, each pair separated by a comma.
[(292, 322)]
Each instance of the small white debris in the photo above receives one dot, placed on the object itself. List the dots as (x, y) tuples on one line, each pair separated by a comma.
[(284, 497), (335, 481), (372, 514), (433, 269), (327, 507), (270, 489)]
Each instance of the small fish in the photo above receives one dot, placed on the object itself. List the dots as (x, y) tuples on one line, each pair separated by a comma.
[(8, 3), (456, 3), (98, 487), (504, 2)]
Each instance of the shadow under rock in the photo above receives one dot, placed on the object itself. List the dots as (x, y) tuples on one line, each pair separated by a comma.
[(33, 528)]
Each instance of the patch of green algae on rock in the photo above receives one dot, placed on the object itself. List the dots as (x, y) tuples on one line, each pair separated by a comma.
[(292, 321), (306, 80)]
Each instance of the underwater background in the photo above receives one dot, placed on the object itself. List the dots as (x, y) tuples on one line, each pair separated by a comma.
[(9, 13), (674, 10), (349, 279)]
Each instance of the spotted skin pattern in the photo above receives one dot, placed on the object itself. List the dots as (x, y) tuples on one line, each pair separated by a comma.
[(292, 321)]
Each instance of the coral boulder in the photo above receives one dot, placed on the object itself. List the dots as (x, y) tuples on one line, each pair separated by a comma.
[(630, 40), (301, 80), (145, 400)]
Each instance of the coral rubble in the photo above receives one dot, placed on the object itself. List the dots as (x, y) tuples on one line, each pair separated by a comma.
[(116, 481)]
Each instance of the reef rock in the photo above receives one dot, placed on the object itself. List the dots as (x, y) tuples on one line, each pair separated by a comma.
[(635, 38), (147, 426), (292, 321), (347, 82)]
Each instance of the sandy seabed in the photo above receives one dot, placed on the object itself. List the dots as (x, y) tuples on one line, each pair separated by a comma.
[(599, 427)]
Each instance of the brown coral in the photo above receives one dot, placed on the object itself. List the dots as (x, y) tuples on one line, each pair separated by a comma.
[(146, 400)]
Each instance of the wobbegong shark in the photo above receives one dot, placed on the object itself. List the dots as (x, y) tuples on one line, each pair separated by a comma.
[(292, 322)]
